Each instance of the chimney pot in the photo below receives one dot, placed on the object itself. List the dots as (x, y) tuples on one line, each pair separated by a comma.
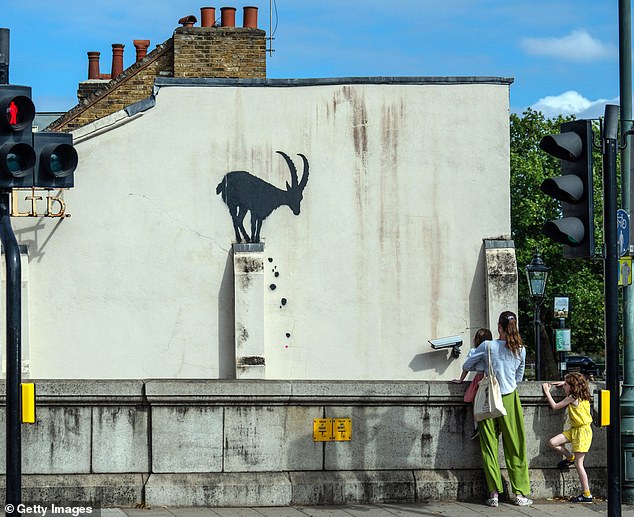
[(93, 65), (250, 17), (141, 46), (207, 16), (228, 16), (188, 21), (117, 60)]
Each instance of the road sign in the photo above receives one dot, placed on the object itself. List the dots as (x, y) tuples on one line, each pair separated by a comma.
[(623, 231), (625, 271), (562, 340)]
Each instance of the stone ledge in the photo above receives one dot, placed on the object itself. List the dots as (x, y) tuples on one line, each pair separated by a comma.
[(353, 487), (229, 489), (290, 488), (102, 489)]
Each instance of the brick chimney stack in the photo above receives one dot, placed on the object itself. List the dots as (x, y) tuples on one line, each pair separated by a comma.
[(141, 46), (188, 21), (250, 17), (207, 16), (209, 51), (93, 65), (117, 60), (228, 16)]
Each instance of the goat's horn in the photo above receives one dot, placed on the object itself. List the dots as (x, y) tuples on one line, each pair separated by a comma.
[(302, 183), (291, 166)]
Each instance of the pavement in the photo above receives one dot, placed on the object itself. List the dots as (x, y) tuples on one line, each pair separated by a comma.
[(548, 508)]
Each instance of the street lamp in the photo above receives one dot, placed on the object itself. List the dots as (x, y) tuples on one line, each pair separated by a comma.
[(537, 276)]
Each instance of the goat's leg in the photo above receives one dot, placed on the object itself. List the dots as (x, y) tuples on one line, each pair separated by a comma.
[(255, 234), (234, 218), (255, 230), (240, 217)]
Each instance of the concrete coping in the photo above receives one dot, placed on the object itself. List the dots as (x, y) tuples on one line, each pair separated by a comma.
[(330, 81), (260, 392), (84, 391)]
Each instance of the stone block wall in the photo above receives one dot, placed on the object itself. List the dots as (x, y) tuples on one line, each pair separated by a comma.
[(250, 443)]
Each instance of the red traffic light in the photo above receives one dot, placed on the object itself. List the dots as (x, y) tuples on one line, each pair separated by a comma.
[(19, 112)]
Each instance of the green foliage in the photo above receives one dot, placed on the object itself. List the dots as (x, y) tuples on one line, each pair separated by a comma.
[(581, 280)]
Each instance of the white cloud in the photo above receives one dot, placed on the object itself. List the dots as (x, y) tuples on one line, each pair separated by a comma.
[(572, 103), (576, 46)]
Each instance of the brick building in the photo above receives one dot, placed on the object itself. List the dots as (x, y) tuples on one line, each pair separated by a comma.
[(206, 51)]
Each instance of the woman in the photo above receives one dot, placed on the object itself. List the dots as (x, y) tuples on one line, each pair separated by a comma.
[(508, 357)]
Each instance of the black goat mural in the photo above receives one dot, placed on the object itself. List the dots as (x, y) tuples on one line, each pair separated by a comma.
[(243, 192)]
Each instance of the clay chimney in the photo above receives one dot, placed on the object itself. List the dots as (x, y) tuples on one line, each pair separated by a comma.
[(207, 16), (250, 17), (141, 46), (228, 16), (93, 65), (117, 60), (188, 21)]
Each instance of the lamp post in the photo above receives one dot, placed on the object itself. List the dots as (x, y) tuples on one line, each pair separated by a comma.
[(537, 276)]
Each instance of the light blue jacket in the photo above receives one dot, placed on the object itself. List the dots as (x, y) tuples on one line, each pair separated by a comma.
[(507, 367)]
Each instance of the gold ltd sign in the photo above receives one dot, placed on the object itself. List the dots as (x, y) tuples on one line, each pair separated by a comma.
[(38, 202)]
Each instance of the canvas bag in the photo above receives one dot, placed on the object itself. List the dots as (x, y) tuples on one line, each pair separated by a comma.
[(488, 399)]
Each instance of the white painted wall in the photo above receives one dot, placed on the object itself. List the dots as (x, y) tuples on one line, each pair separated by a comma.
[(405, 182)]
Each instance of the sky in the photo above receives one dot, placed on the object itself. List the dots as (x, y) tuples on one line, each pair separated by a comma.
[(562, 54)]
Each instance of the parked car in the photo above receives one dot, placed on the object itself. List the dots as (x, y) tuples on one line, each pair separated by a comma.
[(583, 364)]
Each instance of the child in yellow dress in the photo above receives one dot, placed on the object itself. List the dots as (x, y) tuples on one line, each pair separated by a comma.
[(579, 434)]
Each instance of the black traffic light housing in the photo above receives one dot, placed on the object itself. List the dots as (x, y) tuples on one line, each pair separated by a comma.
[(573, 146), (28, 159), (56, 160), (17, 156)]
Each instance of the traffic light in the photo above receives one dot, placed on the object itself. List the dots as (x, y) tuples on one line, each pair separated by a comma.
[(573, 146), (28, 159), (56, 160), (17, 156)]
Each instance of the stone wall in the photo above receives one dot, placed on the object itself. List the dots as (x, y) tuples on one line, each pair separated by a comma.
[(250, 442)]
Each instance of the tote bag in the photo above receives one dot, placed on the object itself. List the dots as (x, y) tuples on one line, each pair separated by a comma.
[(488, 399)]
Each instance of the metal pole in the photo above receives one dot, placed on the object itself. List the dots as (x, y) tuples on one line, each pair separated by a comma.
[(4, 56), (627, 394), (609, 148), (538, 341), (13, 381)]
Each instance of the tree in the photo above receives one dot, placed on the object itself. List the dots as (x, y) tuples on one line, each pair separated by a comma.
[(581, 280)]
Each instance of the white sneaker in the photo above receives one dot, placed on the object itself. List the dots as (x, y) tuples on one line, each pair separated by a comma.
[(521, 500)]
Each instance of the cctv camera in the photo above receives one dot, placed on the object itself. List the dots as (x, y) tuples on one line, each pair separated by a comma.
[(454, 342)]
